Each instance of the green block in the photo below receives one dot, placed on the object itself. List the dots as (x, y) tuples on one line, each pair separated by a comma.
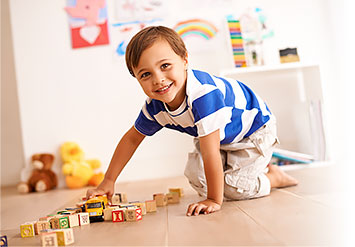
[(63, 222)]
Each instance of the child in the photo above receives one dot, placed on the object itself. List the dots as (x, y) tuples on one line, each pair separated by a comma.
[(233, 128)]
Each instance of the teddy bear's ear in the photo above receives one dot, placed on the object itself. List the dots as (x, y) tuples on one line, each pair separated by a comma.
[(47, 160)]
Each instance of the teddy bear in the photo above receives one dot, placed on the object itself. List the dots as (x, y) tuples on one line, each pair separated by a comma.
[(78, 171), (42, 177)]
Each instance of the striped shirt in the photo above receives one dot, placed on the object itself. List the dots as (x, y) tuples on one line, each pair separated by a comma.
[(211, 103)]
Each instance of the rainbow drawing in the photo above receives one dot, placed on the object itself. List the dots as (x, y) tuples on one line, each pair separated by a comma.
[(196, 27), (237, 43)]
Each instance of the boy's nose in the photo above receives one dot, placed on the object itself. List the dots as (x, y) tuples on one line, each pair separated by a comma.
[(159, 79)]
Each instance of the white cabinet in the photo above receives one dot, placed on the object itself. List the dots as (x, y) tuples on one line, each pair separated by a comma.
[(293, 92)]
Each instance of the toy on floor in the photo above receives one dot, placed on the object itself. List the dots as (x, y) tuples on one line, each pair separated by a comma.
[(42, 177), (57, 229), (3, 241), (78, 171)]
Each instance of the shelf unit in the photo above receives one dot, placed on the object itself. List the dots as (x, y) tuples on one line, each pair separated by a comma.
[(293, 92)]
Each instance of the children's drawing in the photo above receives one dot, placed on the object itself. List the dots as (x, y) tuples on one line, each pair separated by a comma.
[(196, 27), (142, 10), (88, 22), (196, 30), (122, 32)]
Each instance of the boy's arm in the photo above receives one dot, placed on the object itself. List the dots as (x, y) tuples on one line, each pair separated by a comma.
[(123, 153), (210, 150)]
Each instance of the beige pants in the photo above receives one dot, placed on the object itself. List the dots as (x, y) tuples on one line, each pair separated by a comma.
[(244, 164)]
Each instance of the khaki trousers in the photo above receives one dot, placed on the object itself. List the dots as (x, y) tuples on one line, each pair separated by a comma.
[(244, 165)]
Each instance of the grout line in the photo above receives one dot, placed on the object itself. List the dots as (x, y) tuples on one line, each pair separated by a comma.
[(259, 224), (305, 198)]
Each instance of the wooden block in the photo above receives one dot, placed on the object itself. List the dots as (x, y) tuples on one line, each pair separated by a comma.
[(118, 215), (118, 198), (73, 220), (178, 190), (151, 206), (108, 213), (133, 214), (49, 239), (173, 198), (83, 219), (140, 205), (41, 225), (27, 230), (63, 221), (74, 210), (3, 241), (65, 236), (160, 199), (54, 221)]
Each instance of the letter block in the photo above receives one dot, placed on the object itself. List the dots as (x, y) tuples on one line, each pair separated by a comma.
[(160, 199), (140, 205), (133, 214), (178, 190), (118, 215), (54, 223), (41, 225), (63, 222), (73, 220), (84, 219), (49, 239), (118, 198), (151, 206), (27, 230), (173, 197), (65, 236)]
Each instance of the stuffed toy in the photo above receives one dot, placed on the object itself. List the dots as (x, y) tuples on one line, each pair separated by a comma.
[(78, 171), (42, 177)]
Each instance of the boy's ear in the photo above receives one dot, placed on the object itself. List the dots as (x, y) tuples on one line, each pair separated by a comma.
[(186, 61)]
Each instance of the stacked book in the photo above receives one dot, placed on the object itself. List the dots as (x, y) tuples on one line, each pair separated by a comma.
[(285, 157)]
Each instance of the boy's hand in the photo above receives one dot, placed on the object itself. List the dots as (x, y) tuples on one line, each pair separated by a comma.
[(207, 206), (105, 188)]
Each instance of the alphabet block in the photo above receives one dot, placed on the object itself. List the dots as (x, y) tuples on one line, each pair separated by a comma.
[(83, 219), (73, 220), (108, 213), (27, 230), (178, 190), (118, 198), (54, 221), (65, 236), (118, 215), (133, 214), (173, 198), (140, 205), (151, 206), (160, 199), (49, 239), (41, 226), (63, 221)]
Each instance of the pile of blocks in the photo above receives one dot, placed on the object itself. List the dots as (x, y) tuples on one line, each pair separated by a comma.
[(56, 230)]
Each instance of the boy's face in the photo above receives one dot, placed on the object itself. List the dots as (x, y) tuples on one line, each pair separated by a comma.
[(162, 74)]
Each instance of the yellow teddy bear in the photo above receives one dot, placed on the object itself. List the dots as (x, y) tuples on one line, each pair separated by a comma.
[(78, 171)]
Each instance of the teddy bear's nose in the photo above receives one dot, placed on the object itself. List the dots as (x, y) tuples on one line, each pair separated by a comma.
[(37, 164)]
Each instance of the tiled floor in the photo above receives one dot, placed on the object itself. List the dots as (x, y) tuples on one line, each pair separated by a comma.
[(308, 214)]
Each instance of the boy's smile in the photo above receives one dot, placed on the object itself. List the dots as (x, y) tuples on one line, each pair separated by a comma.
[(162, 74)]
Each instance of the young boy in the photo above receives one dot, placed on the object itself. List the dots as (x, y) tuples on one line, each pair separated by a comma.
[(233, 128)]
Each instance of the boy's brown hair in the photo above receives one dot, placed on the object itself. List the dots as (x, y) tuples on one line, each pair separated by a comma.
[(146, 37)]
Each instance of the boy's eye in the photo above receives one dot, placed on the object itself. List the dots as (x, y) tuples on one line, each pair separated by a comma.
[(145, 74), (165, 65)]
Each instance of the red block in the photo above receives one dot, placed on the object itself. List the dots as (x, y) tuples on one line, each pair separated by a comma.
[(117, 215)]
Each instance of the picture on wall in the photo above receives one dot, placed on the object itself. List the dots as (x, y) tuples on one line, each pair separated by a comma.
[(88, 22)]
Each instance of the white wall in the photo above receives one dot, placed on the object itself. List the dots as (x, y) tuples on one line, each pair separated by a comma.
[(86, 95)]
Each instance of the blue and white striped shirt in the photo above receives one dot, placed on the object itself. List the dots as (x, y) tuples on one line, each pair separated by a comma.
[(211, 103)]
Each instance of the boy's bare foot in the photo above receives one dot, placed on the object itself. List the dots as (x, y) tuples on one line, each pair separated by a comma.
[(278, 178)]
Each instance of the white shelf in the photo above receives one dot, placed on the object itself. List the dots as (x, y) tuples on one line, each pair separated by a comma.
[(266, 68)]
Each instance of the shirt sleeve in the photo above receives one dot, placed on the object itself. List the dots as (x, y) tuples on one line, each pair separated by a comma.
[(145, 124)]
